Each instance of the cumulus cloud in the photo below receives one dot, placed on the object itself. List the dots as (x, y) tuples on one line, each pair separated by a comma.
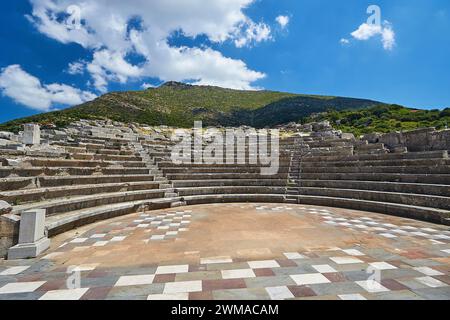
[(28, 90), (115, 29), (367, 31), (283, 21), (76, 67), (344, 41)]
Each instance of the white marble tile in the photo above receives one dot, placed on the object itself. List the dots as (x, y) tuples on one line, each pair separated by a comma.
[(11, 271), (324, 268), (293, 255), (238, 274), (69, 294), (388, 235), (429, 271), (98, 236), (431, 282), (118, 239), (79, 240), (100, 243), (263, 264), (135, 280), (346, 260), (157, 237), (311, 278), (20, 287), (446, 251), (355, 296), (216, 260), (382, 266), (172, 269), (353, 252), (372, 286), (279, 293), (86, 267), (169, 296), (183, 287)]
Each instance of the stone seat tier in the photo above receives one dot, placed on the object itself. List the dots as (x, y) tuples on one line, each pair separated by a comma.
[(229, 182), (182, 192), (81, 150), (61, 205), (380, 163), (8, 184), (215, 176), (415, 188), (169, 164), (41, 171), (70, 220), (389, 156), (407, 211), (219, 169), (51, 163), (39, 194), (421, 200), (386, 177), (390, 169)]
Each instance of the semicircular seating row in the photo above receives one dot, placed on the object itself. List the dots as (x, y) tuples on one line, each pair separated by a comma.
[(100, 178)]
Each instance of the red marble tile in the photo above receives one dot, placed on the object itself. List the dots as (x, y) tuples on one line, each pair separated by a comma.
[(392, 284), (444, 278), (196, 268), (30, 278), (263, 272), (205, 295), (98, 293), (98, 274), (302, 291), (286, 263), (210, 285), (335, 277), (53, 285), (164, 278)]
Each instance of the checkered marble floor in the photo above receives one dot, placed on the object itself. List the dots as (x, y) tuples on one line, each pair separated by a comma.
[(240, 252)]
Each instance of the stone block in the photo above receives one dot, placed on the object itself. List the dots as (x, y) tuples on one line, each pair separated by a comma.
[(31, 134), (32, 238)]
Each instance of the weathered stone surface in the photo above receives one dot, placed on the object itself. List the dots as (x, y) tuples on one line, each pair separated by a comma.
[(9, 232), (31, 134), (5, 207)]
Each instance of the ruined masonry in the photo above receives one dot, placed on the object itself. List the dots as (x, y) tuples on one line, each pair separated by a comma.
[(95, 170)]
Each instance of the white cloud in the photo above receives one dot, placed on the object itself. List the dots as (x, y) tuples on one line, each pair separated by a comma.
[(283, 21), (344, 41), (146, 85), (28, 90), (114, 29), (253, 33), (367, 31), (76, 67)]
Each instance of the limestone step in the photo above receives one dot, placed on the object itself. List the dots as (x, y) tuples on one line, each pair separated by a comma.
[(228, 182), (385, 177), (182, 192), (218, 169), (418, 188), (391, 169), (70, 171), (39, 194), (380, 163), (389, 156), (421, 200), (52, 163), (215, 176), (62, 205)]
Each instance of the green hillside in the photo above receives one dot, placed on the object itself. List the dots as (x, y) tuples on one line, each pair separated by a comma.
[(177, 104), (383, 119)]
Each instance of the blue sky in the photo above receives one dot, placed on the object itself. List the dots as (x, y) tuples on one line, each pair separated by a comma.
[(58, 53)]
